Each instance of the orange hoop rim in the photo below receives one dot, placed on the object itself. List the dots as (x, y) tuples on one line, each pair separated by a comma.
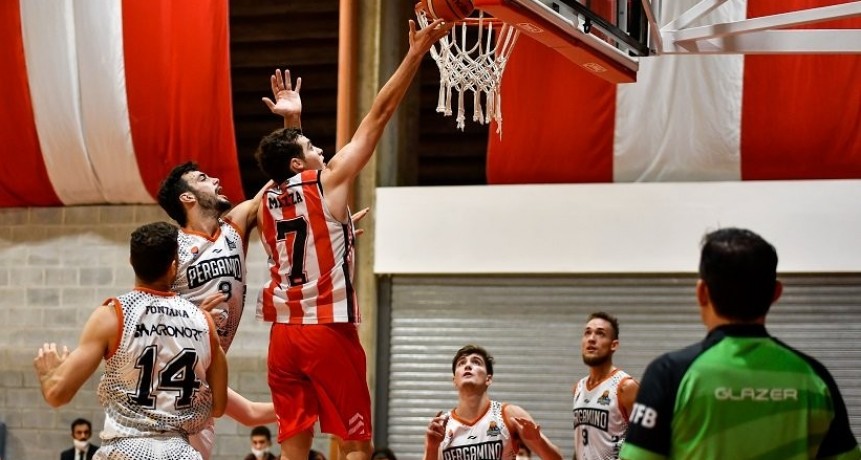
[(472, 21), (475, 22)]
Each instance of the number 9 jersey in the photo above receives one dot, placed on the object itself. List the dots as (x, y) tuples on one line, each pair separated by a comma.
[(600, 422), (154, 382), (310, 256), (210, 264)]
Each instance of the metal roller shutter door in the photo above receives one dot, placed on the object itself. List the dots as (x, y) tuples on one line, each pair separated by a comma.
[(532, 326)]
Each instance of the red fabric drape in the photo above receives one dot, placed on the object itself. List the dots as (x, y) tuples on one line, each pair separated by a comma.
[(23, 180), (801, 114), (799, 117), (178, 76), (557, 124)]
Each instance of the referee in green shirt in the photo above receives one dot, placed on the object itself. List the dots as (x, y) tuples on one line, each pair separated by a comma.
[(740, 393)]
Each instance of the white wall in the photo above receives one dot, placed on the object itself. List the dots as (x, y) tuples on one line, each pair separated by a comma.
[(611, 228)]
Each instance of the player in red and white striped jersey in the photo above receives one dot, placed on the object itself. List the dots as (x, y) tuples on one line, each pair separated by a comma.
[(316, 364)]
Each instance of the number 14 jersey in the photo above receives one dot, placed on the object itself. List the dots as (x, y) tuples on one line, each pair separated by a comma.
[(311, 256), (155, 380)]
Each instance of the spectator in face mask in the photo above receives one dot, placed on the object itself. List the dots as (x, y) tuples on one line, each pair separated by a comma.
[(82, 450), (261, 443), (383, 453), (524, 453)]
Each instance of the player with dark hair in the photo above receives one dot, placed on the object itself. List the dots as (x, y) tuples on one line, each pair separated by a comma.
[(492, 429), (83, 449), (165, 372), (213, 242), (317, 368), (740, 393), (261, 443)]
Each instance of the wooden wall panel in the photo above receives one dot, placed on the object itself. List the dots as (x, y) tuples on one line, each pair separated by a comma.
[(302, 35)]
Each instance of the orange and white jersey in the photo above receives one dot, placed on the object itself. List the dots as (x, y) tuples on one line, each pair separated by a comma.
[(600, 423), (311, 256), (154, 382), (210, 264), (488, 438)]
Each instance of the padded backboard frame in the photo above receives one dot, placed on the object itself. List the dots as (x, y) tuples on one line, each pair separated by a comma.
[(594, 42)]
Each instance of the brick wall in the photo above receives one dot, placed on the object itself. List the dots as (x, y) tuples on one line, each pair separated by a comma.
[(56, 265)]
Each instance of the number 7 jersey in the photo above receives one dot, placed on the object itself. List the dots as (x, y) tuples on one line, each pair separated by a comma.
[(311, 256)]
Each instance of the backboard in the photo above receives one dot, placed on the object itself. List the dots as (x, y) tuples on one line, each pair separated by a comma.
[(604, 37)]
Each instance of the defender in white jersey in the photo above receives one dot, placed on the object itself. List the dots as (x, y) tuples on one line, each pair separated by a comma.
[(478, 428), (165, 373), (211, 271), (489, 437), (212, 248), (213, 238), (603, 399), (214, 264)]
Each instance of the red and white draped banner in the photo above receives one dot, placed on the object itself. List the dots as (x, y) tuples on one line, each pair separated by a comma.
[(103, 97), (688, 118)]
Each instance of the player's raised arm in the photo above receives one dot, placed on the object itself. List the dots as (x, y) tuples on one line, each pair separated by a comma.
[(434, 435), (530, 433), (244, 215), (247, 412), (349, 161), (216, 374), (62, 374), (287, 103)]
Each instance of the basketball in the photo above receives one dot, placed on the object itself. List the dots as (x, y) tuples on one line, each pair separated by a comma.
[(448, 10)]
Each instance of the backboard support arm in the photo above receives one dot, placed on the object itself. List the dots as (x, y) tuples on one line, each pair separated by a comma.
[(762, 35)]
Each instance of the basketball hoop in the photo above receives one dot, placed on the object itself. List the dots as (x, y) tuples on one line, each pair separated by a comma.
[(473, 66)]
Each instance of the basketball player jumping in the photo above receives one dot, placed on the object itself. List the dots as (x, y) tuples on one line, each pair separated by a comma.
[(317, 366)]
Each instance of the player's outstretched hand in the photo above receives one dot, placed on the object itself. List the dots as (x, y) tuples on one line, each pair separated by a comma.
[(422, 40), (528, 429), (436, 430), (213, 301), (287, 101), (48, 359)]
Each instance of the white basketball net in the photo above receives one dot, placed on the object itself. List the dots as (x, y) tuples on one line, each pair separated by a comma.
[(475, 67)]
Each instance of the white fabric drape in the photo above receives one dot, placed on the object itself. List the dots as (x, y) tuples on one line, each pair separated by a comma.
[(681, 121), (74, 56)]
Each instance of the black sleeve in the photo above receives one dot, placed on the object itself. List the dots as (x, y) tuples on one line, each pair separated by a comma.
[(839, 439), (652, 415)]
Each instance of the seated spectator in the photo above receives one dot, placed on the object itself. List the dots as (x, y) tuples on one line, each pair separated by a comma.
[(383, 454), (261, 444), (82, 429), (524, 453)]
